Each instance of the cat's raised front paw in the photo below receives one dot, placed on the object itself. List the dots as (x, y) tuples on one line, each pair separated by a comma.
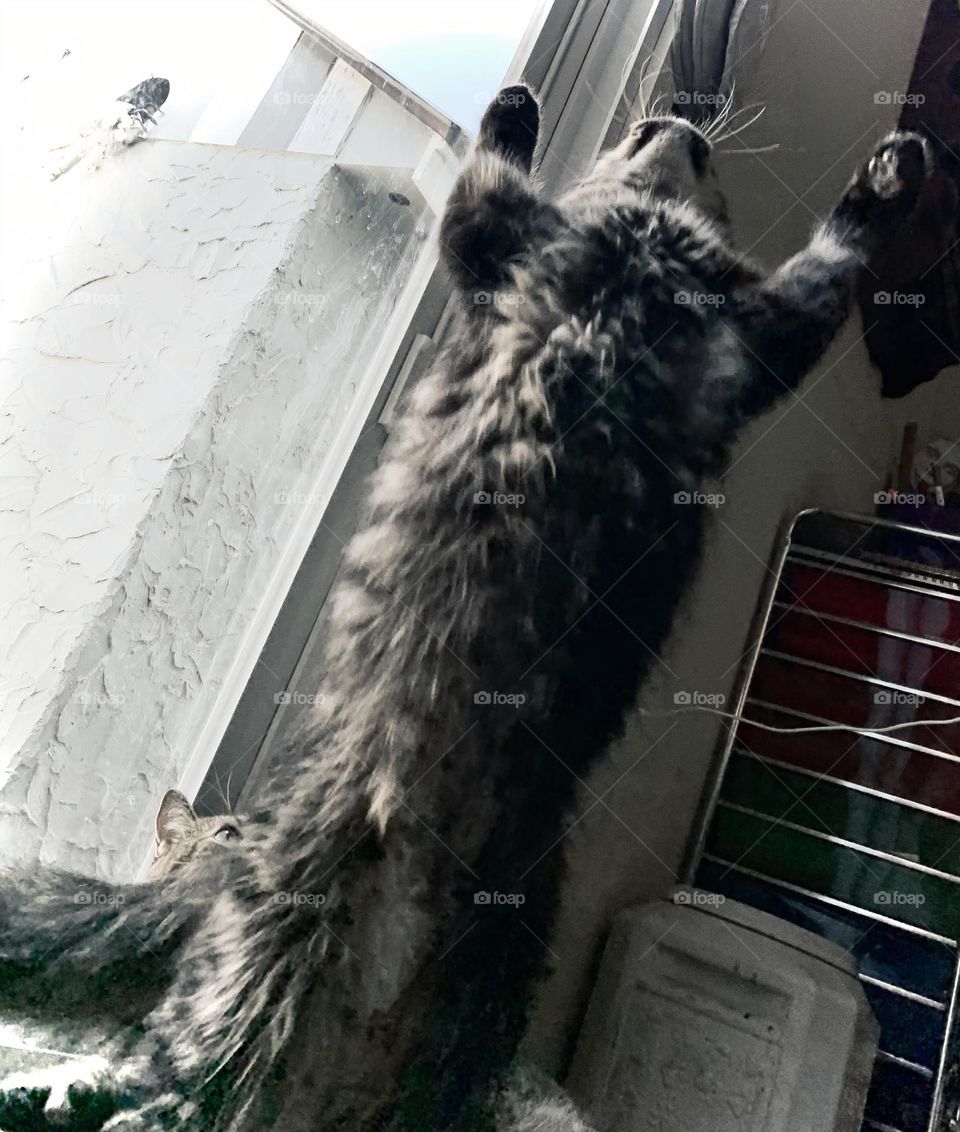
[(510, 125), (884, 193), (899, 167)]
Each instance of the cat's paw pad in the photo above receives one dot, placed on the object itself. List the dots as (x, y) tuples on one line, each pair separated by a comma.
[(510, 125), (899, 167)]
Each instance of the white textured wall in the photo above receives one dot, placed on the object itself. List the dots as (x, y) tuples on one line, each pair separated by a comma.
[(175, 366)]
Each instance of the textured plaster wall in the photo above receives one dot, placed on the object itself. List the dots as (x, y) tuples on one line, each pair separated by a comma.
[(176, 362)]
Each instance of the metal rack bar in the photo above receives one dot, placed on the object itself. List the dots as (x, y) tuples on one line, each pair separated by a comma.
[(871, 791), (892, 988), (876, 681), (912, 1066), (867, 627), (911, 929), (877, 736), (866, 571), (942, 1063), (867, 850)]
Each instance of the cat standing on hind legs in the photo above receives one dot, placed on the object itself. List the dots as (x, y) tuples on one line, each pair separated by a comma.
[(517, 574), (611, 274)]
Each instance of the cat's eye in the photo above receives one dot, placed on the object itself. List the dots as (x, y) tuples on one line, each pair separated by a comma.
[(227, 833)]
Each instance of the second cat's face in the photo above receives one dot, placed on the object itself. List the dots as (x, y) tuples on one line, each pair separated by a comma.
[(181, 835), (669, 156)]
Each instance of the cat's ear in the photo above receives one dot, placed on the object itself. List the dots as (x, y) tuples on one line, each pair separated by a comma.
[(510, 126), (175, 818)]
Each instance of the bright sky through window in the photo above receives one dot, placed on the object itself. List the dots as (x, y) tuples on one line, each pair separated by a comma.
[(80, 55)]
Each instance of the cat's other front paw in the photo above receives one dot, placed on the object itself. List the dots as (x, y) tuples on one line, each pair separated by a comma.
[(899, 168), (510, 125)]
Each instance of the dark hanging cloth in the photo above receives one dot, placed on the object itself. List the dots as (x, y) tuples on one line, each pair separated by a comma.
[(705, 52), (911, 300)]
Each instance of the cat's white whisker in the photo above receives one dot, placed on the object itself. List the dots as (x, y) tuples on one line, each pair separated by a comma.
[(772, 148), (739, 130), (728, 123), (717, 123)]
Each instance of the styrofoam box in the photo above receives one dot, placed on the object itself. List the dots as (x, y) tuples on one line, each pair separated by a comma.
[(709, 1015)]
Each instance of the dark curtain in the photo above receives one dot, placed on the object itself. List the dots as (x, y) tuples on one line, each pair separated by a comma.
[(911, 301), (704, 52)]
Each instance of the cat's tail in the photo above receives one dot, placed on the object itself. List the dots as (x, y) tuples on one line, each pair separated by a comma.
[(73, 945)]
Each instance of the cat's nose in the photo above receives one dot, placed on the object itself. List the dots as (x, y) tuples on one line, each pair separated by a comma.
[(700, 150), (644, 131)]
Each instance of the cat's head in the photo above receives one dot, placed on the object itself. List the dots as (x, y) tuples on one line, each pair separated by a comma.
[(670, 157), (182, 835)]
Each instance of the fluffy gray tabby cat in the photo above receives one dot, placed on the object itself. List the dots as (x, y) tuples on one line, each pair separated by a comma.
[(364, 957)]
